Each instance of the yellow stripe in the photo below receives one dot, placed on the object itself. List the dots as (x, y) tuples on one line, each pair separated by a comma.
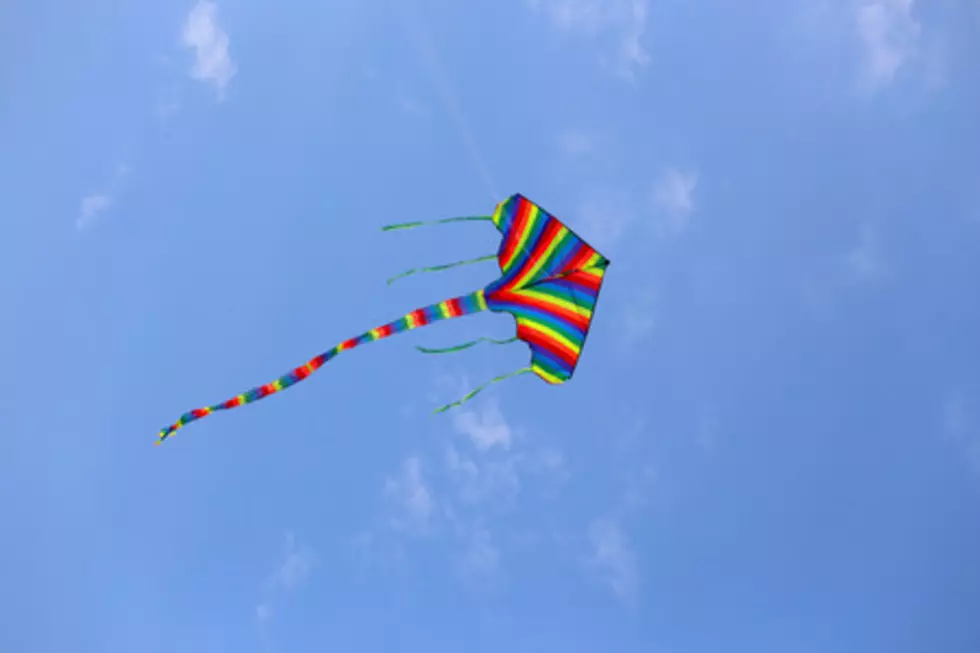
[(498, 213), (534, 216), (277, 384), (481, 300), (547, 376), (549, 333)]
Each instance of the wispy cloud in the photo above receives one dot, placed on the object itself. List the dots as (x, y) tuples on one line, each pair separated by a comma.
[(411, 495), (889, 36), (293, 571), (212, 61), (619, 23), (613, 558), (673, 198), (95, 204)]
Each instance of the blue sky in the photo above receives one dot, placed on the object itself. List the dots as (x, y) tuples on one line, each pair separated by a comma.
[(772, 441)]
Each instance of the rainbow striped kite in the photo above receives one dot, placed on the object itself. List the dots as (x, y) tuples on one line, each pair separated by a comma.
[(550, 282)]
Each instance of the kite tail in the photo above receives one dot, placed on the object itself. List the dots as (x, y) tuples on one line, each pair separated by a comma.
[(412, 225), (475, 392), (440, 268), (466, 345), (452, 308)]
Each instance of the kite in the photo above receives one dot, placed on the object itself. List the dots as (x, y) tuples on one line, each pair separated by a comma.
[(550, 282)]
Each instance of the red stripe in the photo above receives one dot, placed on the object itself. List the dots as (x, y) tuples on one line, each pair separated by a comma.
[(199, 412), (517, 226), (586, 279), (384, 331), (419, 316), (455, 310), (318, 362), (560, 351)]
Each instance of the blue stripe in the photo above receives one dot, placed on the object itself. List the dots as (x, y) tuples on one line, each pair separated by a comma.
[(559, 324)]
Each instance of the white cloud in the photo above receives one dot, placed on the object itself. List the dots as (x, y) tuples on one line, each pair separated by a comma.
[(95, 204), (296, 567), (294, 570), (621, 21), (486, 428), (411, 494), (613, 557), (91, 207), (673, 196), (212, 62), (889, 36)]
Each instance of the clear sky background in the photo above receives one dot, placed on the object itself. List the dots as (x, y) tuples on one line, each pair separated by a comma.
[(772, 442)]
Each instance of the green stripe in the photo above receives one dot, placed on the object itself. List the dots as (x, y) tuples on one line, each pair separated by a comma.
[(412, 225), (466, 345), (483, 387), (439, 268)]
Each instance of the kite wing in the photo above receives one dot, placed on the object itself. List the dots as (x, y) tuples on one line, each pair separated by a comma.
[(550, 282)]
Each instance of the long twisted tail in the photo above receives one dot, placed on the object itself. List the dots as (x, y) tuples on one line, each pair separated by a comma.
[(456, 307)]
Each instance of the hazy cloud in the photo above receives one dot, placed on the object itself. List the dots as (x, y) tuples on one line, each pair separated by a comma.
[(292, 572), (673, 198), (613, 557), (411, 494)]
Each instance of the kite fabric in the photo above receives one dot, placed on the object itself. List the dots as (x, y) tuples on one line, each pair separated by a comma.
[(550, 282)]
